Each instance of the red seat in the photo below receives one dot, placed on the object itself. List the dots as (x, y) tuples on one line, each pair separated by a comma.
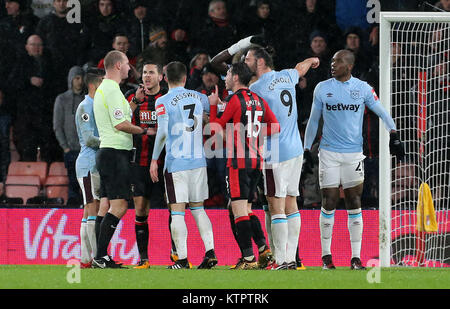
[(57, 187), (20, 168), (57, 192), (57, 169), (23, 187)]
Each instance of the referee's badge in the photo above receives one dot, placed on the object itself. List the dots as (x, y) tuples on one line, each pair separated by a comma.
[(354, 94), (85, 117), (118, 114)]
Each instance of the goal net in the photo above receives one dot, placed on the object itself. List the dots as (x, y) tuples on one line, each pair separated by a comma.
[(415, 203)]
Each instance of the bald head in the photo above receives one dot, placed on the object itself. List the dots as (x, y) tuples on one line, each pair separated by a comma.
[(34, 45), (347, 55), (116, 65), (342, 64), (112, 58)]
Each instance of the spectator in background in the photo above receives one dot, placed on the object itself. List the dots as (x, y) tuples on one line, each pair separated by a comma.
[(195, 70), (65, 41), (160, 49), (189, 19), (140, 23), (29, 81), (41, 8), (354, 41), (18, 25), (260, 20), (217, 30), (309, 15), (209, 79), (101, 27), (66, 105), (120, 42)]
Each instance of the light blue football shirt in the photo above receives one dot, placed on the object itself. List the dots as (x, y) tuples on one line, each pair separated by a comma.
[(342, 104), (278, 89), (88, 136), (180, 123)]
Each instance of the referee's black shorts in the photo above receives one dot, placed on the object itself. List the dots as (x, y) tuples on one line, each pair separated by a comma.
[(242, 183), (115, 173), (142, 183)]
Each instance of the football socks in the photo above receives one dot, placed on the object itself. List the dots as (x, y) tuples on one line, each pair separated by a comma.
[(178, 229), (294, 224), (280, 237), (326, 222), (204, 226), (107, 229), (142, 236), (355, 228)]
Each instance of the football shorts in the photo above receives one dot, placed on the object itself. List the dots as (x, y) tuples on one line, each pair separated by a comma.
[(346, 169), (283, 178), (242, 183), (90, 187), (115, 173), (190, 186)]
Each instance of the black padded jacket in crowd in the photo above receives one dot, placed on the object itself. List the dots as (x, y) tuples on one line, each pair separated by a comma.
[(66, 41)]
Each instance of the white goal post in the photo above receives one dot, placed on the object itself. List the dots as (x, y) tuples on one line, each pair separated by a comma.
[(426, 162), (427, 36)]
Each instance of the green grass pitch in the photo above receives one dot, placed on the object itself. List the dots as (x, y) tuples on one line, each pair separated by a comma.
[(221, 277)]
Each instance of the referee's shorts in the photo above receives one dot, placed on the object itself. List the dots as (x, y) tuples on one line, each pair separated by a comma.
[(114, 168)]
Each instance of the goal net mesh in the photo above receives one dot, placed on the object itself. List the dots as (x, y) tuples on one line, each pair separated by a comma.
[(420, 107)]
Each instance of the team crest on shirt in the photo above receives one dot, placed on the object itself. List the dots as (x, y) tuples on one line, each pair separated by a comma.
[(354, 94), (85, 117), (118, 114)]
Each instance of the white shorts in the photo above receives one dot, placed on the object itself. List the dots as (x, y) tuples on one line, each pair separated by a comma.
[(282, 179), (90, 187), (346, 169), (189, 186)]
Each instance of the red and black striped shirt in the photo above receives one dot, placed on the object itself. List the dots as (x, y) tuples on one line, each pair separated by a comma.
[(245, 109), (145, 116)]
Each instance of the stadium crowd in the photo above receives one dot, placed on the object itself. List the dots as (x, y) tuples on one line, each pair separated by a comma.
[(43, 58)]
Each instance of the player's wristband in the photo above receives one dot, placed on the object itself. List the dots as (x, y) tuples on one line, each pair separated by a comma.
[(240, 45), (136, 101), (144, 132)]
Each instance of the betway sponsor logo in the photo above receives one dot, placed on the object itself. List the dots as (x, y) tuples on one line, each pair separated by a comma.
[(342, 107)]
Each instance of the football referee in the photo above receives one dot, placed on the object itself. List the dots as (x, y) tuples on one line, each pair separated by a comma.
[(112, 114)]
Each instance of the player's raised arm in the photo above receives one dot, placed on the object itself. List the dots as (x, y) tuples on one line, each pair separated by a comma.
[(227, 115), (218, 62), (304, 66)]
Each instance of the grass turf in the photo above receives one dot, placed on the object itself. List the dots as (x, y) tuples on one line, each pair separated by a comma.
[(221, 277)]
